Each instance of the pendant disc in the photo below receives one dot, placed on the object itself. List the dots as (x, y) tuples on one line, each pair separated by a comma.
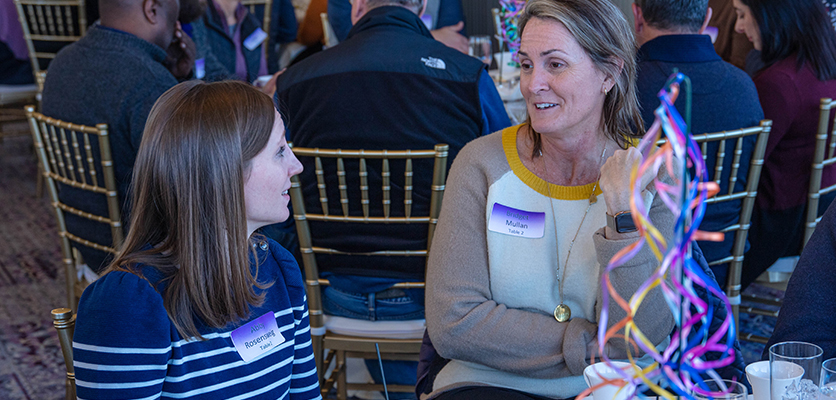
[(562, 313)]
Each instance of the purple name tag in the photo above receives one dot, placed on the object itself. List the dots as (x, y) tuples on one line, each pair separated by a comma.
[(200, 68), (257, 337), (255, 39), (427, 20), (514, 222)]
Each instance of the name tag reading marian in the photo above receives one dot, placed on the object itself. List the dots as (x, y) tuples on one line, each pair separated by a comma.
[(257, 337), (514, 222)]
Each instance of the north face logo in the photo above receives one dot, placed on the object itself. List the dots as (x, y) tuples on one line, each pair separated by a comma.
[(434, 62)]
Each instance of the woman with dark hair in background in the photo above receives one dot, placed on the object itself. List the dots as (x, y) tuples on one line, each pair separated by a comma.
[(797, 45), (194, 305)]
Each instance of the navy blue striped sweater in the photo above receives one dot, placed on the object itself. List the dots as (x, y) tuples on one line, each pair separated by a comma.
[(125, 346)]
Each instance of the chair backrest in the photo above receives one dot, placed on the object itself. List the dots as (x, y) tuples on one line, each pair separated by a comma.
[(64, 322), (439, 154), (66, 155), (48, 26), (328, 32), (747, 195), (265, 8), (825, 155)]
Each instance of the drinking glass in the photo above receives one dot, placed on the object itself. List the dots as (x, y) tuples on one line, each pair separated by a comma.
[(828, 379), (785, 376), (480, 47), (722, 389)]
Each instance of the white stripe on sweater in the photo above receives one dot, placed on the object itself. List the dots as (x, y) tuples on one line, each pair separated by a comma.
[(224, 367), (120, 385), (222, 385), (305, 389), (107, 367), (121, 350)]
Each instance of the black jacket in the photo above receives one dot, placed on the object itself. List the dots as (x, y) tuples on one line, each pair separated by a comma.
[(390, 85)]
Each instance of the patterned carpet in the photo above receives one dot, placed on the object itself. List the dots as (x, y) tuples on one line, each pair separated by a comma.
[(31, 366), (32, 284)]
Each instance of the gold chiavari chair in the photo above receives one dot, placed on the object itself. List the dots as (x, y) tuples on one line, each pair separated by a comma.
[(330, 347), (64, 322), (12, 116), (746, 196), (48, 26), (824, 156), (66, 156), (328, 30)]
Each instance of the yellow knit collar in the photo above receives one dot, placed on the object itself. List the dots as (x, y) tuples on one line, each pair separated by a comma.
[(509, 144)]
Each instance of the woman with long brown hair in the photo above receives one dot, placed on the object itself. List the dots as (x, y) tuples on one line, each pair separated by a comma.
[(195, 305)]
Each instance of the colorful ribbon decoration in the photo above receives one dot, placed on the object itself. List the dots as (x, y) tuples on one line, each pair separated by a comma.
[(508, 32), (682, 367)]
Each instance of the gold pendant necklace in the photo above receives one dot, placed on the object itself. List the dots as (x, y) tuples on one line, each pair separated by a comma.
[(562, 312)]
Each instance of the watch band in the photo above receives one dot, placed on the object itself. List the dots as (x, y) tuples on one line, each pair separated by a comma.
[(621, 222)]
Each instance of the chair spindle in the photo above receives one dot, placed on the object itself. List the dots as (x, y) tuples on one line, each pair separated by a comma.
[(387, 188), (407, 189), (320, 184), (342, 186), (738, 153), (364, 188)]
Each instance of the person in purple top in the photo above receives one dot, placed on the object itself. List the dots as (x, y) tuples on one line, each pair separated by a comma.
[(236, 39), (797, 46), (15, 68)]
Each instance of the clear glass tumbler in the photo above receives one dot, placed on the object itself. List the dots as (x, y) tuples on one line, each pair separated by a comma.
[(827, 384), (795, 371), (722, 389)]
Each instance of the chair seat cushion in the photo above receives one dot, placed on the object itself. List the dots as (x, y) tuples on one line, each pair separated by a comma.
[(408, 329), (10, 94)]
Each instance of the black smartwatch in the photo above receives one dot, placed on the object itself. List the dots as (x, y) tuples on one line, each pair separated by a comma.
[(621, 222)]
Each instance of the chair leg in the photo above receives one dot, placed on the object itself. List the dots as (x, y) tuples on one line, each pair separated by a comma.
[(319, 357), (39, 182), (342, 390), (69, 267)]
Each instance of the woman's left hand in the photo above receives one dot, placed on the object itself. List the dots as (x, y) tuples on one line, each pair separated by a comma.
[(615, 179)]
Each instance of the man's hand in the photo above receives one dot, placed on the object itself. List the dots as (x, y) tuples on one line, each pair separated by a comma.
[(450, 36), (180, 54), (270, 87)]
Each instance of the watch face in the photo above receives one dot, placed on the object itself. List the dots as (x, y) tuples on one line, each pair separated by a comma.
[(624, 223)]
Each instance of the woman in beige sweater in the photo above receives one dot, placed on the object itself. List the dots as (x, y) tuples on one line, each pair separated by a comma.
[(534, 213)]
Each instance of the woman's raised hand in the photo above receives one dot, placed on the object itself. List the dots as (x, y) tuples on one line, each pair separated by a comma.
[(615, 179)]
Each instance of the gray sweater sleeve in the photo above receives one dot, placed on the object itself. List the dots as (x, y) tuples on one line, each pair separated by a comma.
[(463, 320)]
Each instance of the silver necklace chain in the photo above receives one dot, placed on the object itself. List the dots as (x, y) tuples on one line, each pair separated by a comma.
[(562, 312)]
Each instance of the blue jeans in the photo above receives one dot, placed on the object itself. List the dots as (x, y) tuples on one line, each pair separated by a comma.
[(386, 305)]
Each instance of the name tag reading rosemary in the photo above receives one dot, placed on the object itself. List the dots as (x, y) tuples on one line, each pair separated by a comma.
[(257, 337), (514, 222)]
